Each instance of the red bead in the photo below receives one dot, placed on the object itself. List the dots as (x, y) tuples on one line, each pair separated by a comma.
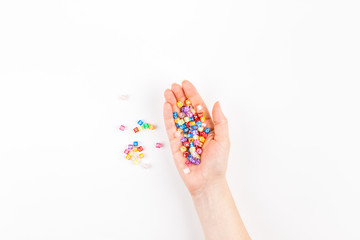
[(188, 163), (140, 148), (196, 118), (187, 124), (200, 115), (203, 134), (186, 154), (186, 144)]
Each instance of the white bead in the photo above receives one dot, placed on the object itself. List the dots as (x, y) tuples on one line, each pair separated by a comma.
[(203, 124), (123, 97), (146, 165), (198, 107), (187, 170), (177, 134)]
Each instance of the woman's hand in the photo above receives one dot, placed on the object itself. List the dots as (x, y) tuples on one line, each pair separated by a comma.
[(216, 147)]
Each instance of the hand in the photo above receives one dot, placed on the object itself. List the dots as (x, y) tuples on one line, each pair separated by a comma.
[(216, 147)]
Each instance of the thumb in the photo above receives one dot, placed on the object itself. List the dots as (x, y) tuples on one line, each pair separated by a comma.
[(220, 124)]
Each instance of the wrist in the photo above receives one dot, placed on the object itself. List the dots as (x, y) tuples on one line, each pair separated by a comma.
[(210, 189)]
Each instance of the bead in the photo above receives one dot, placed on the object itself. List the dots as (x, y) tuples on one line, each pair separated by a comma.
[(177, 134), (200, 129), (181, 122), (123, 97), (187, 170), (192, 123), (202, 119), (204, 124), (183, 139), (195, 137), (187, 102), (200, 114), (136, 130), (198, 123), (140, 122), (183, 149), (126, 151), (196, 118), (141, 155), (128, 157), (203, 134), (192, 149), (188, 163), (196, 142), (135, 149), (186, 153), (186, 119), (189, 114), (207, 130), (146, 165), (186, 144), (185, 109), (136, 143), (140, 148), (186, 130), (201, 144), (189, 135), (199, 150), (193, 111), (182, 127), (198, 108), (195, 132), (191, 145), (131, 153), (191, 118), (158, 145), (146, 125), (130, 146), (201, 139), (175, 115), (151, 127), (179, 104), (197, 161), (182, 115), (136, 162), (122, 128), (191, 140)]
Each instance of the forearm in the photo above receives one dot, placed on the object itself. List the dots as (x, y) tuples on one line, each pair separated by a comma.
[(218, 214)]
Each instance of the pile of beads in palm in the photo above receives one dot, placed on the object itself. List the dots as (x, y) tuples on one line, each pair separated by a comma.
[(193, 127)]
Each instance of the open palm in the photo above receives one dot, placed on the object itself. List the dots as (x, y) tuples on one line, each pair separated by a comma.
[(216, 147)]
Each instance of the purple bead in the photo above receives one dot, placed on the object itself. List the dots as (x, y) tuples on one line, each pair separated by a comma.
[(185, 109), (197, 161), (183, 139), (192, 160), (195, 132)]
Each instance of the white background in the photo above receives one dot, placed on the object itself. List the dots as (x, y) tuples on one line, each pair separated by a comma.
[(285, 72)]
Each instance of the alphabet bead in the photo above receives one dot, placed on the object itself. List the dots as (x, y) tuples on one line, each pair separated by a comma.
[(179, 104)]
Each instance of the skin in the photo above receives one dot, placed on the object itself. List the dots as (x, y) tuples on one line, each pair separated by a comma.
[(206, 182)]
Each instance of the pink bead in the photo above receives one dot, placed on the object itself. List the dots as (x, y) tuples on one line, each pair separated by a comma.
[(126, 151), (199, 150), (177, 134), (122, 128), (158, 145)]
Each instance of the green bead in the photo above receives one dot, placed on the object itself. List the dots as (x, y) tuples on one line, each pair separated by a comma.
[(146, 125)]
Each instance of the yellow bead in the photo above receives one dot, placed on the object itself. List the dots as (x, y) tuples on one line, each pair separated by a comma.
[(193, 123), (131, 153), (193, 111), (190, 140), (186, 119), (202, 119), (195, 137), (202, 139), (136, 162), (192, 149), (141, 155), (151, 127), (201, 144), (134, 149), (181, 122), (128, 157), (177, 120), (187, 102), (179, 104), (183, 149)]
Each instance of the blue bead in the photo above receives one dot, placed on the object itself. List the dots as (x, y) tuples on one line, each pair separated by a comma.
[(136, 144), (175, 115), (140, 122), (189, 156), (192, 144), (182, 127), (198, 123), (186, 130), (191, 119), (207, 130), (192, 128), (189, 135), (177, 125)]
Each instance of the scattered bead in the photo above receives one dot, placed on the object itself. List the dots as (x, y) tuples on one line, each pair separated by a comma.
[(136, 130), (122, 128), (136, 143), (123, 97), (158, 145), (199, 108), (140, 148), (187, 170), (140, 122)]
